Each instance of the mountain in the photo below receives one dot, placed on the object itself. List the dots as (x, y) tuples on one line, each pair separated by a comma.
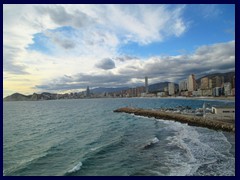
[(17, 97), (33, 97), (100, 90), (159, 86)]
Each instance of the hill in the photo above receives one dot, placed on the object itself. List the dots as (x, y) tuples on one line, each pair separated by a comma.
[(17, 97)]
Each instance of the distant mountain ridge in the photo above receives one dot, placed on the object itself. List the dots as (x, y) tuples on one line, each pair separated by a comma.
[(159, 86), (107, 90)]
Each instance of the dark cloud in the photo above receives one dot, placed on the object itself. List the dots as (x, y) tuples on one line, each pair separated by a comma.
[(10, 56), (106, 64), (214, 58), (81, 81), (61, 39), (64, 43), (67, 76), (206, 59), (126, 58), (60, 16)]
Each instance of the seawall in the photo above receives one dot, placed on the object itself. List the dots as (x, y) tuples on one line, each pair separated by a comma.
[(189, 119)]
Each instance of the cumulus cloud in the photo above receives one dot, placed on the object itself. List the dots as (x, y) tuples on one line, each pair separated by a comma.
[(60, 40), (10, 55), (100, 28), (206, 59), (83, 34), (59, 15), (81, 81), (106, 64)]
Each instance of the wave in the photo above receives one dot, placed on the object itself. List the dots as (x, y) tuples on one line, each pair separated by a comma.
[(76, 168), (151, 143), (193, 147), (23, 165)]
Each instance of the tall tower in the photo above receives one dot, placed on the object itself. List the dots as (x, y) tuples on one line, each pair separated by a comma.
[(88, 92), (146, 84), (191, 83)]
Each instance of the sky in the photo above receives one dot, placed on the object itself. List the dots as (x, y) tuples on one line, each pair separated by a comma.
[(65, 48)]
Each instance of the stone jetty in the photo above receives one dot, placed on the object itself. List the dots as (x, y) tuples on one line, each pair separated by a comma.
[(189, 119)]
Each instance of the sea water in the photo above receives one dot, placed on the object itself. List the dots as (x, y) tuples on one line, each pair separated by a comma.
[(85, 137)]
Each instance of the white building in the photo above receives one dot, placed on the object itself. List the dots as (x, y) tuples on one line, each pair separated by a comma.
[(161, 94), (227, 89), (171, 89), (224, 112), (183, 85)]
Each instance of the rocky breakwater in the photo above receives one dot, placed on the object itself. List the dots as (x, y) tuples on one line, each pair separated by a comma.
[(189, 119)]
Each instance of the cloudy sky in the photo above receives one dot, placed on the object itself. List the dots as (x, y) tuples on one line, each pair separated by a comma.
[(65, 48)]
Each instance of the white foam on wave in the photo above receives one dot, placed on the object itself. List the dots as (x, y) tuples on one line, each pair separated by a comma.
[(154, 140), (198, 147), (94, 149), (151, 142), (76, 168)]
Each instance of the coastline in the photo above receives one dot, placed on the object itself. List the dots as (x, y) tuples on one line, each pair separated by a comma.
[(189, 119), (194, 98)]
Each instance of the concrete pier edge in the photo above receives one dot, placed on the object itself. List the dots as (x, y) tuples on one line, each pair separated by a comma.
[(190, 120)]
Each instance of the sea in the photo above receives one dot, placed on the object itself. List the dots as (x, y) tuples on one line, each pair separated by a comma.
[(84, 137)]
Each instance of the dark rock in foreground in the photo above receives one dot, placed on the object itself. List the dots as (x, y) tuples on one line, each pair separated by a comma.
[(190, 120)]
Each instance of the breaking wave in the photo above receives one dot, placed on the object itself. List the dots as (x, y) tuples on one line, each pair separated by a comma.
[(76, 168)]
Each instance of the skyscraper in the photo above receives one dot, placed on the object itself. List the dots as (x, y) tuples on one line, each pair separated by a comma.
[(146, 84), (227, 88), (205, 83), (183, 85), (191, 82), (217, 81), (88, 92)]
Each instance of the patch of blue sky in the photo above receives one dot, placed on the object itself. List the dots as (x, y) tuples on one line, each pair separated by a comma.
[(42, 43), (66, 31), (218, 27)]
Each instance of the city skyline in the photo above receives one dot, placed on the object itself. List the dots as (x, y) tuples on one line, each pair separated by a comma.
[(64, 48)]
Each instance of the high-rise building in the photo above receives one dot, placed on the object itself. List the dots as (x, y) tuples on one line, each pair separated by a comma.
[(146, 84), (191, 82), (217, 81), (227, 89), (88, 92), (171, 89), (217, 91), (204, 83), (210, 85), (183, 85)]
